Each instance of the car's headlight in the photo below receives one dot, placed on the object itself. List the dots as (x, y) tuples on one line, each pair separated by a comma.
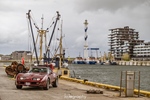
[(22, 78), (36, 79)]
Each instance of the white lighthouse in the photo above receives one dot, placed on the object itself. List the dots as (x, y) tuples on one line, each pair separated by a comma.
[(85, 38)]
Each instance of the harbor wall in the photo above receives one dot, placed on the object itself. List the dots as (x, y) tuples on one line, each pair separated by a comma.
[(106, 86), (134, 63)]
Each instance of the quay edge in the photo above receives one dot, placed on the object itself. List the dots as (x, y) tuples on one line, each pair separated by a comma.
[(134, 63), (105, 86)]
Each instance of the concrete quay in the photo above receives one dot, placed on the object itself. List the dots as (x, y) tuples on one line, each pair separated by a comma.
[(67, 90), (134, 63)]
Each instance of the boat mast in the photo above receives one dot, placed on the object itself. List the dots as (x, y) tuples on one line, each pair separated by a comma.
[(61, 48), (85, 38), (29, 17), (57, 18), (42, 34)]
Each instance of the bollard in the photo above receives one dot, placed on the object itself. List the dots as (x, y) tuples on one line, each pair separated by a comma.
[(130, 84)]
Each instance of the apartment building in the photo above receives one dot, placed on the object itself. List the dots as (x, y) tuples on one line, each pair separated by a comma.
[(123, 40), (141, 52)]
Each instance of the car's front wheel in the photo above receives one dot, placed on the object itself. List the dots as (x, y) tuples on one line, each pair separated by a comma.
[(55, 83), (19, 86), (47, 85)]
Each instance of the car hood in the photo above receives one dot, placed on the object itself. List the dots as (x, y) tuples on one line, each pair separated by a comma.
[(31, 75)]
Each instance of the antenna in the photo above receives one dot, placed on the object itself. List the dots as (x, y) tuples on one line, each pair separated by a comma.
[(42, 22)]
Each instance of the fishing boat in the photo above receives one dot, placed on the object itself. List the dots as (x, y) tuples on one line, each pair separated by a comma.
[(54, 56), (107, 59)]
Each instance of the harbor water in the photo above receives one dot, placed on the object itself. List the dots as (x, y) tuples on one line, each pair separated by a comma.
[(110, 74)]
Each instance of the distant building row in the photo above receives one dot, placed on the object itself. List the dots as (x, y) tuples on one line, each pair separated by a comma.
[(126, 40), (17, 55)]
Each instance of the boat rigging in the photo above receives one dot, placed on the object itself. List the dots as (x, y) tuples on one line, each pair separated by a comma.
[(42, 33)]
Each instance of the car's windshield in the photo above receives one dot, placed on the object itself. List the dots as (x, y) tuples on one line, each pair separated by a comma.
[(38, 70)]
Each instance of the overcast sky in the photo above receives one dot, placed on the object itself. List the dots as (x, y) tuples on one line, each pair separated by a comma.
[(102, 15)]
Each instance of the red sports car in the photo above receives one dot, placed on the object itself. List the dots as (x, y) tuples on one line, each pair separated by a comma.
[(40, 76)]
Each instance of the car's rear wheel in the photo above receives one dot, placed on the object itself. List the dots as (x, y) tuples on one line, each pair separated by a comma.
[(47, 85), (55, 83), (19, 86)]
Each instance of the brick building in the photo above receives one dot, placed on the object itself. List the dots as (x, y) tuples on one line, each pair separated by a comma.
[(17, 55)]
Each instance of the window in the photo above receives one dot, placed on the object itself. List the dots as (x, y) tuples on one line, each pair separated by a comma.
[(39, 70)]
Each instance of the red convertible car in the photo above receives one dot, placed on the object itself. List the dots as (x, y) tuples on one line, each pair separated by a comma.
[(40, 76)]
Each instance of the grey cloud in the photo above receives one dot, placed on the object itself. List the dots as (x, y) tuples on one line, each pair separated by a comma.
[(102, 15), (110, 5)]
